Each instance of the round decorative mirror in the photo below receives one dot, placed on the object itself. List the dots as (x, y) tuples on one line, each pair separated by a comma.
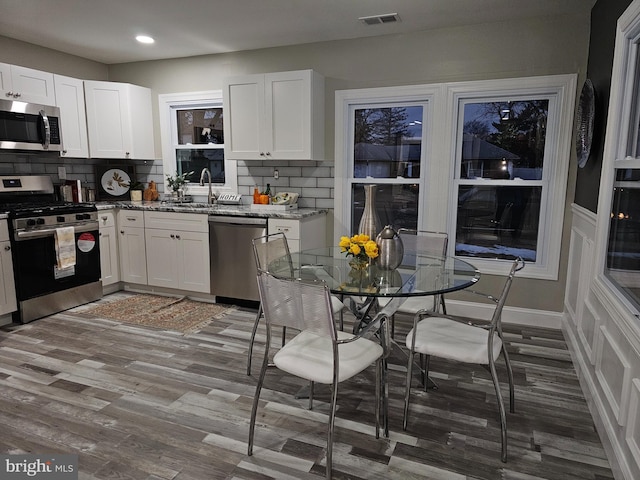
[(584, 123)]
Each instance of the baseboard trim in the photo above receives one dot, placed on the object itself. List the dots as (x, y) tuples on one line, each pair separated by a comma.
[(513, 315)]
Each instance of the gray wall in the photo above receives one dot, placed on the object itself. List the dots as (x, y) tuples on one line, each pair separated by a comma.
[(542, 46), (604, 17)]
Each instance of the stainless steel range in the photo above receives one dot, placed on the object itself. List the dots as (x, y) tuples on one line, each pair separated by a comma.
[(55, 247)]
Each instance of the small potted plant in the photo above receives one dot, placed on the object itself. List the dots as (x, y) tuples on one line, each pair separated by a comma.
[(135, 190), (177, 184)]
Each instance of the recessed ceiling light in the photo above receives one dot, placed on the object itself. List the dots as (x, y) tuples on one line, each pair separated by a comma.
[(144, 39)]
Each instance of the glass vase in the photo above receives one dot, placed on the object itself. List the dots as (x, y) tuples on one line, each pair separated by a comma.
[(370, 222)]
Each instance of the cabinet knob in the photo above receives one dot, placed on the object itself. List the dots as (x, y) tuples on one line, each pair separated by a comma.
[(262, 154), (9, 94), (7, 248), (172, 236), (121, 232), (64, 152), (17, 95), (268, 154), (104, 219), (178, 237)]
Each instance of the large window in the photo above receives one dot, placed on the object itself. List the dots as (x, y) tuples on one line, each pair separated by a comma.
[(500, 178), (193, 139), (619, 205), (387, 151), (484, 161)]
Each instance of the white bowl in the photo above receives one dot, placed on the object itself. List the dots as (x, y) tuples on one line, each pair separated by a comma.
[(285, 198)]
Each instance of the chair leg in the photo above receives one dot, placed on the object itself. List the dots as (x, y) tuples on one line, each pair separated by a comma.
[(425, 371), (512, 398), (393, 325), (256, 398), (407, 390), (503, 417), (311, 385), (378, 405), (253, 337), (332, 417)]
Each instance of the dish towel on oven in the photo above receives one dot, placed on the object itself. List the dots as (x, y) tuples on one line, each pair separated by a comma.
[(65, 247)]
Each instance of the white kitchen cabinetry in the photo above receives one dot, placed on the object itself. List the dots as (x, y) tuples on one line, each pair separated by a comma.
[(119, 120), (177, 250), (302, 234), (8, 302), (26, 85), (275, 116), (131, 246), (109, 263), (73, 119)]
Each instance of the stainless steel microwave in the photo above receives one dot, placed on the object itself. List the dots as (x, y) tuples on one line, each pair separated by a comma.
[(27, 126)]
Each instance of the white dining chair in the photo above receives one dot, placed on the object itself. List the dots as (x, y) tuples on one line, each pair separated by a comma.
[(464, 340), (266, 250), (320, 353)]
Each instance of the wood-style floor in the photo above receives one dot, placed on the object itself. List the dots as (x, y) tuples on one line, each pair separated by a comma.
[(140, 403)]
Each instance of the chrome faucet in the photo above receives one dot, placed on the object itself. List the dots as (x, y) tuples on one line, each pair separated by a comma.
[(212, 197)]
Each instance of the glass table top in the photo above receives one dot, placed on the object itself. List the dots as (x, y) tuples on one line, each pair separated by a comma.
[(417, 275)]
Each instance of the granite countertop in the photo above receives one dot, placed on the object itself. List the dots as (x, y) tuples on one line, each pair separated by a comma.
[(230, 210)]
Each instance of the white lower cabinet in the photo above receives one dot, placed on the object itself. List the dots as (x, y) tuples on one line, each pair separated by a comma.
[(131, 246), (177, 249), (302, 234), (109, 263), (8, 302)]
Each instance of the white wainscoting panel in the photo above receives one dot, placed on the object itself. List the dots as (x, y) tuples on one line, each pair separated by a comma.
[(633, 422), (587, 330), (614, 374)]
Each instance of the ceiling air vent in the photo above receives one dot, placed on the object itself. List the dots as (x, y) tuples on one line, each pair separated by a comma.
[(378, 19)]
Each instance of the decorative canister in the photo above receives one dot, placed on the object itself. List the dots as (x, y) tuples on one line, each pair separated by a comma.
[(370, 222), (390, 248)]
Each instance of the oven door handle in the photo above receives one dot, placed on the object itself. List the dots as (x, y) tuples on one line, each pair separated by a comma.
[(48, 232)]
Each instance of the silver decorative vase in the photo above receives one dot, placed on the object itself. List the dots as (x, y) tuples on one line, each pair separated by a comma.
[(390, 248), (370, 222)]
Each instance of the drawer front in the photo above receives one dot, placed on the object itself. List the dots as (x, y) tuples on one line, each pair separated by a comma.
[(184, 222), (107, 218), (4, 231), (291, 228), (131, 218)]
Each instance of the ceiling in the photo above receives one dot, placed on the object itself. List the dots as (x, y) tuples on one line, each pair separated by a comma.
[(104, 30)]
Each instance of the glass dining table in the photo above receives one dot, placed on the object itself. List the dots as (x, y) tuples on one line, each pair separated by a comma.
[(417, 275)]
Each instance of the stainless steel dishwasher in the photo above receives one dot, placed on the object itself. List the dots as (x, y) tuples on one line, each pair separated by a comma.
[(233, 268)]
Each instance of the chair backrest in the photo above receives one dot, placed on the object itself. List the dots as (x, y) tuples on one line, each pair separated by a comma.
[(424, 241), (296, 303), (496, 319), (268, 248)]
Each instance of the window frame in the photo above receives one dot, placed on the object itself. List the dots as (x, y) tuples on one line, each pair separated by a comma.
[(346, 100), (168, 104), (561, 92), (620, 128), (441, 142)]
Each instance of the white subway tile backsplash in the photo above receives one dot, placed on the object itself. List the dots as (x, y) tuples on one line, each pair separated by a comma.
[(312, 180)]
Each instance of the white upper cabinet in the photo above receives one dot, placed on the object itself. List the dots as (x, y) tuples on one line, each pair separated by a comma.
[(275, 116), (73, 119), (119, 120), (26, 85)]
